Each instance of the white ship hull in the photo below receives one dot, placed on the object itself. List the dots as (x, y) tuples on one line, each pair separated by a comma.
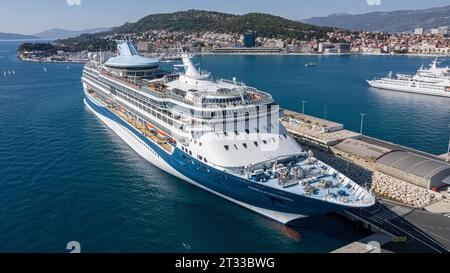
[(148, 154), (409, 89)]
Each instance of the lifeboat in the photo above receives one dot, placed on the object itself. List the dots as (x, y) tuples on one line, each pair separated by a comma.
[(149, 126), (160, 133)]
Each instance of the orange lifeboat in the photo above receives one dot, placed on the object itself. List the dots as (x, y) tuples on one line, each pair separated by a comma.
[(149, 126)]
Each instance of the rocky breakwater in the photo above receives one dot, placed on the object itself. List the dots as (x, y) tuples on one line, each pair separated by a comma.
[(389, 187)]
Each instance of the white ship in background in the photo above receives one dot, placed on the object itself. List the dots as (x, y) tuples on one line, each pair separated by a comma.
[(433, 81)]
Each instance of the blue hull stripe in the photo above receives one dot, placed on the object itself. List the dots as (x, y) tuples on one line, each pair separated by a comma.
[(248, 192)]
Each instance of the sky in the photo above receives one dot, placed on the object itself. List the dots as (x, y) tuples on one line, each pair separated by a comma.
[(33, 16)]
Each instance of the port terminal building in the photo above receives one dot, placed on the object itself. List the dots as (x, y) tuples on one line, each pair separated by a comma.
[(422, 170), (415, 167)]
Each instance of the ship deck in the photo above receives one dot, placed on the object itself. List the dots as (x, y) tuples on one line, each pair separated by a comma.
[(155, 138), (318, 181)]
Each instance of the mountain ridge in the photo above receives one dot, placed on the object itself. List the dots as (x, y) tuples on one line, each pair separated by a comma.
[(59, 33), (16, 36), (189, 21), (387, 21)]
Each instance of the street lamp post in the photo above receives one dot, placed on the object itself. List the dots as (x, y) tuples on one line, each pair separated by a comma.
[(448, 149), (362, 123)]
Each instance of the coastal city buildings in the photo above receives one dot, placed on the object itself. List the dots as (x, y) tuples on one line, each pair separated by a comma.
[(250, 39), (434, 41), (420, 41)]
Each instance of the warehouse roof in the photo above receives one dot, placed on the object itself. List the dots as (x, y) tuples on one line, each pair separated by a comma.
[(362, 149), (418, 165)]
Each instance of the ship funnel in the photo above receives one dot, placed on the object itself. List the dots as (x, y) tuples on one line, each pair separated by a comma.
[(126, 48), (189, 67)]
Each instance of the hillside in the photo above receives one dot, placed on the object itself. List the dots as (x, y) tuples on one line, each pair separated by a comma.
[(186, 21), (15, 36), (394, 21), (201, 21), (57, 33)]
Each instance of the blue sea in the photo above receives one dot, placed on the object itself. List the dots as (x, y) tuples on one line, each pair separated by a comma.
[(64, 176)]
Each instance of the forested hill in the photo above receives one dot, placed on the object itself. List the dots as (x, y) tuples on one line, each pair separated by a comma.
[(202, 21)]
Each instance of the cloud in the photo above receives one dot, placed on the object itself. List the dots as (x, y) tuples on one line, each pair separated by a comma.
[(73, 2), (374, 2)]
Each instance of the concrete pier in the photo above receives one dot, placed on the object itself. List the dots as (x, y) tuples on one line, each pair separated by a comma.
[(391, 171), (406, 180), (371, 244)]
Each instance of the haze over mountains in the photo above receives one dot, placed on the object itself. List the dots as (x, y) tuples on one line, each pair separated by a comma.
[(51, 34), (58, 33), (392, 21), (15, 36)]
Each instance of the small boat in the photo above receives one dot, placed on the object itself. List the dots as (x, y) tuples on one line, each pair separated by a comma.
[(9, 72), (13, 72), (68, 67), (4, 73), (310, 64), (45, 69)]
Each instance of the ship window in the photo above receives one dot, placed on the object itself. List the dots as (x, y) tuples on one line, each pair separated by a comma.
[(226, 147), (285, 136), (265, 141), (256, 143), (225, 133), (245, 145), (190, 152), (200, 157), (204, 159), (235, 146), (247, 131)]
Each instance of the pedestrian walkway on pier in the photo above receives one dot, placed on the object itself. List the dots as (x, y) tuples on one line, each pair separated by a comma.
[(371, 244)]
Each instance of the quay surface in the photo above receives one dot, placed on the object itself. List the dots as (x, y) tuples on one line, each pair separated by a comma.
[(416, 218), (370, 244)]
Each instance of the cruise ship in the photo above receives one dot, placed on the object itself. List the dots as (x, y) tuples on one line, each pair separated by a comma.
[(433, 81), (220, 135)]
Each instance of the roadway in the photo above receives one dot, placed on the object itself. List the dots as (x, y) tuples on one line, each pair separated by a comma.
[(423, 231)]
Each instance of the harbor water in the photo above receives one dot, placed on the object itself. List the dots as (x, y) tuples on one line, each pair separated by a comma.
[(64, 176)]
